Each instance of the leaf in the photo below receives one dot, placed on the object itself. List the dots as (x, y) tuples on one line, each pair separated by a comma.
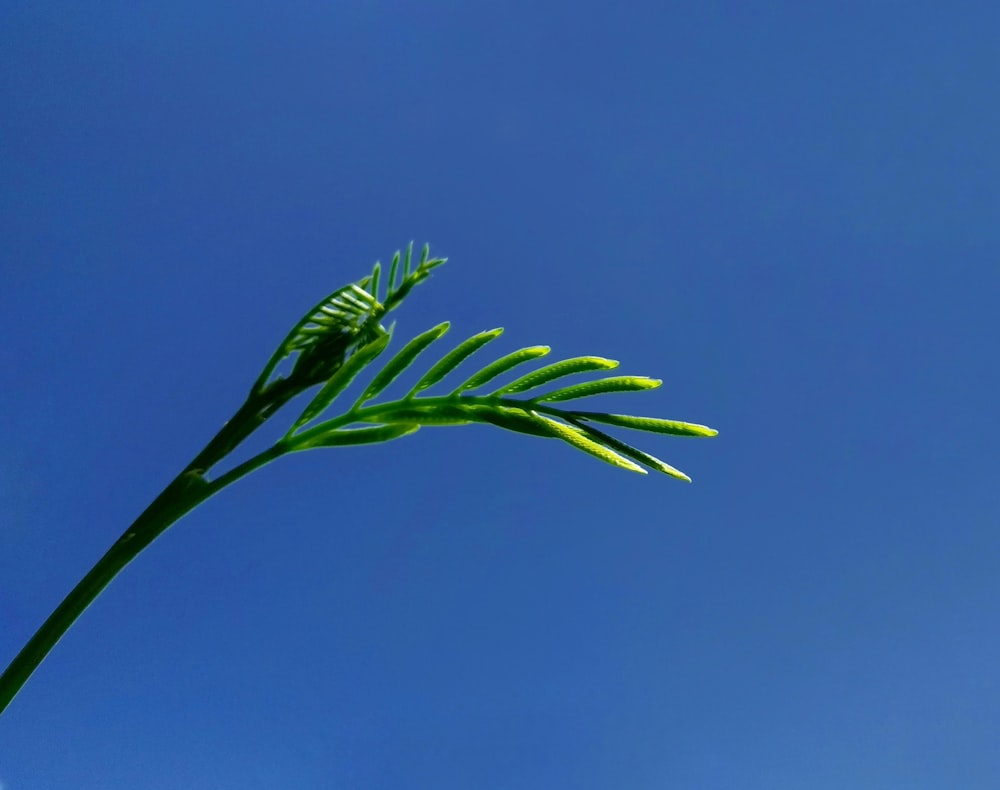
[(329, 327), (576, 437), (406, 265), (339, 381), (374, 283), (354, 436), (634, 453), (437, 414), (502, 365), (401, 279), (651, 424), (342, 322), (392, 273), (511, 419), (403, 359), (612, 384), (454, 358), (555, 371), (427, 265), (354, 299)]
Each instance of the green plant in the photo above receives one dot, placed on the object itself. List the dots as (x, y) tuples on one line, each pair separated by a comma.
[(330, 346)]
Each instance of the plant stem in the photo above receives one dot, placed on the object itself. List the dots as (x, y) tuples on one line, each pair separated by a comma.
[(188, 490), (177, 499)]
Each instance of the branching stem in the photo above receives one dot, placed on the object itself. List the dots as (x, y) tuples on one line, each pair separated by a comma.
[(333, 342), (188, 490)]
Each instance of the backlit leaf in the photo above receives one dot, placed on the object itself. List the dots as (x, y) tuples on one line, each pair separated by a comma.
[(576, 437), (353, 436), (339, 381), (634, 453), (651, 424), (454, 358), (502, 365), (403, 359), (599, 387), (555, 371)]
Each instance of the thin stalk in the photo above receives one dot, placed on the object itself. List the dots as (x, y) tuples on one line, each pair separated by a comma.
[(188, 490)]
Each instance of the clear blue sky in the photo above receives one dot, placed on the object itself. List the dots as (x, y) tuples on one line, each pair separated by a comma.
[(788, 211)]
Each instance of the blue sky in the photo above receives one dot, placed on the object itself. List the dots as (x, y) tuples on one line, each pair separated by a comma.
[(788, 212)]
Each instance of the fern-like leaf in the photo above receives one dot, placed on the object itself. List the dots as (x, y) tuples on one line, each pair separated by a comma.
[(650, 424), (393, 269), (537, 416), (501, 366), (354, 436), (601, 386), (326, 331), (454, 358), (576, 437), (400, 283), (634, 453), (373, 282), (403, 359), (556, 371), (343, 322)]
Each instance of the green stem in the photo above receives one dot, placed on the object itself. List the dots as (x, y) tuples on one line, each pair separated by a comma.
[(183, 494), (298, 440), (191, 488)]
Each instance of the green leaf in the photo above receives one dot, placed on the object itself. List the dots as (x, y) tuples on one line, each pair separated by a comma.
[(410, 279), (576, 437), (428, 265), (406, 265), (612, 384), (510, 419), (438, 414), (651, 424), (403, 359), (342, 322), (393, 269), (354, 299), (374, 283), (454, 358), (339, 381), (502, 365), (400, 280), (555, 371), (634, 453), (353, 436), (334, 323)]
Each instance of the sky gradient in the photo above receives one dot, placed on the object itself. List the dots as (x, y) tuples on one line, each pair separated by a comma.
[(787, 212)]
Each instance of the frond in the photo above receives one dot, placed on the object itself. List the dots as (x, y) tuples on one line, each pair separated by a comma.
[(343, 322), (400, 282), (506, 407), (327, 330)]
